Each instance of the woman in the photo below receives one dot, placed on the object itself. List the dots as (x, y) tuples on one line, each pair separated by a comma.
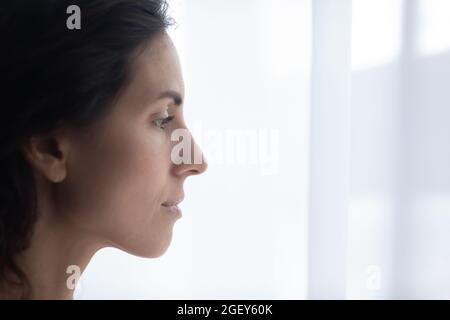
[(86, 146)]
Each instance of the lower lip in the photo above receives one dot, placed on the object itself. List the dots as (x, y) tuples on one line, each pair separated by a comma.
[(173, 210)]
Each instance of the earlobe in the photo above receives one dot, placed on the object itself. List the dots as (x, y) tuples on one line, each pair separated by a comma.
[(47, 155)]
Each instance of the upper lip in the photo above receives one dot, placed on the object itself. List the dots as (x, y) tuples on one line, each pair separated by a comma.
[(173, 202)]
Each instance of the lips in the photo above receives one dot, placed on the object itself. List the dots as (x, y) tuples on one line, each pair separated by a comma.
[(171, 206), (172, 203)]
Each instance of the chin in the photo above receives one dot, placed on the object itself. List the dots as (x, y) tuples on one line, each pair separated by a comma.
[(150, 248), (156, 254), (153, 252)]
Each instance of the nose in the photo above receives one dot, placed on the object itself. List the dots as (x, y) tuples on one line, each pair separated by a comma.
[(197, 164)]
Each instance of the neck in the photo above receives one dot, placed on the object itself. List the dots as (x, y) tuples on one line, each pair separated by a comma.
[(55, 259), (58, 252)]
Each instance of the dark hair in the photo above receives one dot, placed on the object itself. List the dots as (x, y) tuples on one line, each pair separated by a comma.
[(52, 76)]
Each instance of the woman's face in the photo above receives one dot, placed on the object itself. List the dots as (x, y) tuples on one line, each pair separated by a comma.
[(120, 172)]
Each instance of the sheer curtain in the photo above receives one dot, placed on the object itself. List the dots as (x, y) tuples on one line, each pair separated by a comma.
[(400, 208), (325, 124), (382, 209)]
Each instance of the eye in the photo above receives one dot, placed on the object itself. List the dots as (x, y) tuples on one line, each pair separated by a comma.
[(160, 123)]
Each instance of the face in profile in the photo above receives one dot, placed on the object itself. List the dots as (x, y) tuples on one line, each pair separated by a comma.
[(119, 179)]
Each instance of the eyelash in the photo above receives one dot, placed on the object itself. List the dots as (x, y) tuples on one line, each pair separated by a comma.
[(160, 123)]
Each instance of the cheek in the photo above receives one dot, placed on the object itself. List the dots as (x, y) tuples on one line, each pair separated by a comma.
[(117, 186)]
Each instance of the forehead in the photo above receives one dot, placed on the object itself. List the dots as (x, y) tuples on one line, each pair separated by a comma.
[(156, 69)]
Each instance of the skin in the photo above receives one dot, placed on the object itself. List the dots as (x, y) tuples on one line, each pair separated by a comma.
[(104, 186)]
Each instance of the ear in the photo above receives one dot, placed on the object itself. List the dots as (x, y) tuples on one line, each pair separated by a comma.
[(47, 154)]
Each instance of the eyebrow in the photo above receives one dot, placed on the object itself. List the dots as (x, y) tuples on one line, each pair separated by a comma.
[(171, 94)]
